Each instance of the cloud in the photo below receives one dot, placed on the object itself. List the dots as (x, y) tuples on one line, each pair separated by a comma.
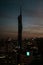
[(34, 29)]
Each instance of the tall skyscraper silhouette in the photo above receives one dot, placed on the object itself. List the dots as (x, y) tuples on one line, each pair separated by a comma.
[(20, 28), (19, 36)]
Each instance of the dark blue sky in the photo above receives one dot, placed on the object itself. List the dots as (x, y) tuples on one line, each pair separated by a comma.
[(32, 15)]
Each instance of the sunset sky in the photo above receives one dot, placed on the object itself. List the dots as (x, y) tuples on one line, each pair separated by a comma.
[(32, 16)]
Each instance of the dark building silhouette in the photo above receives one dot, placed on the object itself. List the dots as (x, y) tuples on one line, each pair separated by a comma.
[(19, 37), (20, 28)]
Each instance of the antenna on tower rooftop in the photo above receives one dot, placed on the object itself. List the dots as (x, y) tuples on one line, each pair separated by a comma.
[(20, 10), (20, 7)]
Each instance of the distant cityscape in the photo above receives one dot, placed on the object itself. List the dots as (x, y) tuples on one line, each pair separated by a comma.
[(21, 45), (9, 50)]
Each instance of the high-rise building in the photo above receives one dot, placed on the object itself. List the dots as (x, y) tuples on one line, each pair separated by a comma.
[(20, 28), (19, 37)]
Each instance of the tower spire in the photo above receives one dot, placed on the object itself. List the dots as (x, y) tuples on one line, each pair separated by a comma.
[(20, 10), (20, 7)]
